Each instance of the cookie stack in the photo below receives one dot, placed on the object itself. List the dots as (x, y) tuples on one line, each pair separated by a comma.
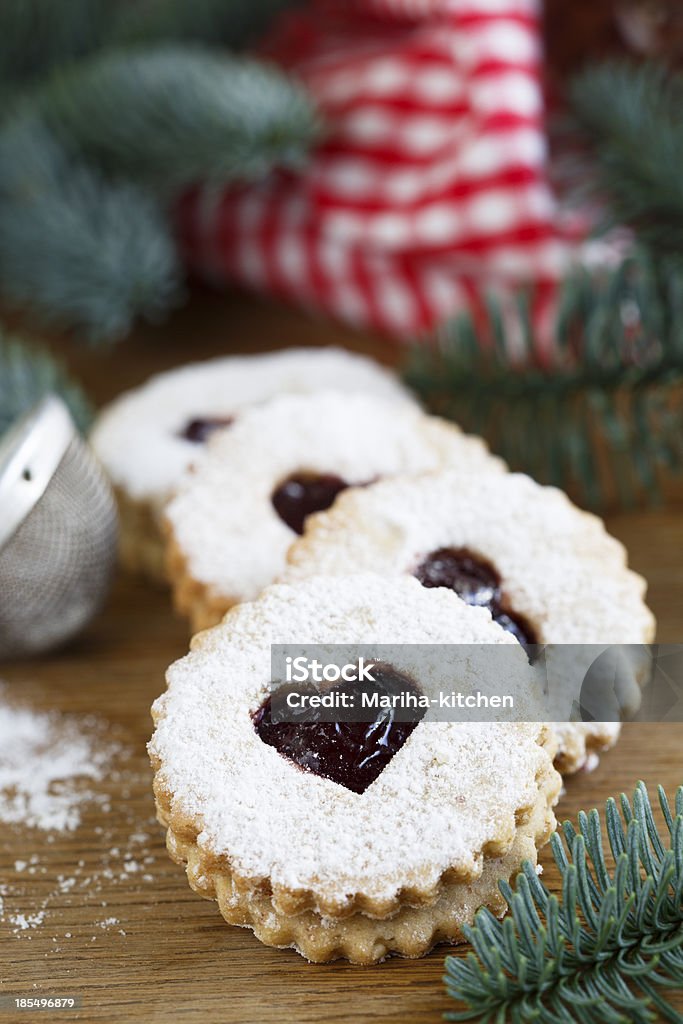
[(548, 572), (343, 869), (148, 438), (307, 496)]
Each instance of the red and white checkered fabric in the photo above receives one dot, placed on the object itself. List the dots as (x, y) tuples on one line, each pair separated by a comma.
[(430, 189)]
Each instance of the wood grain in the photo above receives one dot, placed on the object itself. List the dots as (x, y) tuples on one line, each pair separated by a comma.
[(177, 958)]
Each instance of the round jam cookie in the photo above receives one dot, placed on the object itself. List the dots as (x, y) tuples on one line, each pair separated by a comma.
[(236, 514), (148, 437), (546, 571), (304, 848)]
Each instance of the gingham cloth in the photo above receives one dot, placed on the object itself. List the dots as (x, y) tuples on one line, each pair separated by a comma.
[(430, 189)]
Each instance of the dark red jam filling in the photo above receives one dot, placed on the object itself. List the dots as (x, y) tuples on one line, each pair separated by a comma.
[(301, 494), (477, 582), (200, 430), (352, 754)]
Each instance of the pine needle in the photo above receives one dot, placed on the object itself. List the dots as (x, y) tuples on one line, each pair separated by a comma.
[(227, 23), (603, 418), (96, 141), (27, 374), (632, 116), (75, 249), (172, 116), (39, 35), (604, 952)]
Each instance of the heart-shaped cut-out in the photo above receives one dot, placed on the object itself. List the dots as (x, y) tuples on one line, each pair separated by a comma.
[(351, 753)]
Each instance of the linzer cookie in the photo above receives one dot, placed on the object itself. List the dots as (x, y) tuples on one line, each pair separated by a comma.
[(358, 842), (235, 516), (148, 437), (546, 571)]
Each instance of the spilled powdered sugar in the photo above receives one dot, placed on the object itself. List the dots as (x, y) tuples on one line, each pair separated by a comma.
[(52, 769), (84, 887), (45, 759)]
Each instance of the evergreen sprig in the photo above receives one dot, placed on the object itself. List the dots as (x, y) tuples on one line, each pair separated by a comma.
[(171, 116), (38, 35), (98, 135), (79, 250), (632, 116), (233, 24), (600, 416), (27, 374), (603, 953)]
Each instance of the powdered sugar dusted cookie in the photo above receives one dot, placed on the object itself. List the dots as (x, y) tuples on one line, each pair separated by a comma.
[(148, 437), (235, 516), (315, 857), (548, 572)]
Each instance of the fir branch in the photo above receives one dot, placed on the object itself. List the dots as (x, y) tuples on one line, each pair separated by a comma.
[(74, 248), (38, 35), (234, 24), (170, 116), (602, 419), (603, 953), (632, 115), (27, 374)]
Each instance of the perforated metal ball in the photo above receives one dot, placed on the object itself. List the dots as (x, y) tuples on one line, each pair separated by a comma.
[(57, 532)]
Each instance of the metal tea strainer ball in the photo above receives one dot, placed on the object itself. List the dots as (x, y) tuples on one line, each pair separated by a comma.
[(57, 532)]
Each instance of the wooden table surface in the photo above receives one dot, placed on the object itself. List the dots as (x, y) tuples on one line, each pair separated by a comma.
[(140, 946)]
